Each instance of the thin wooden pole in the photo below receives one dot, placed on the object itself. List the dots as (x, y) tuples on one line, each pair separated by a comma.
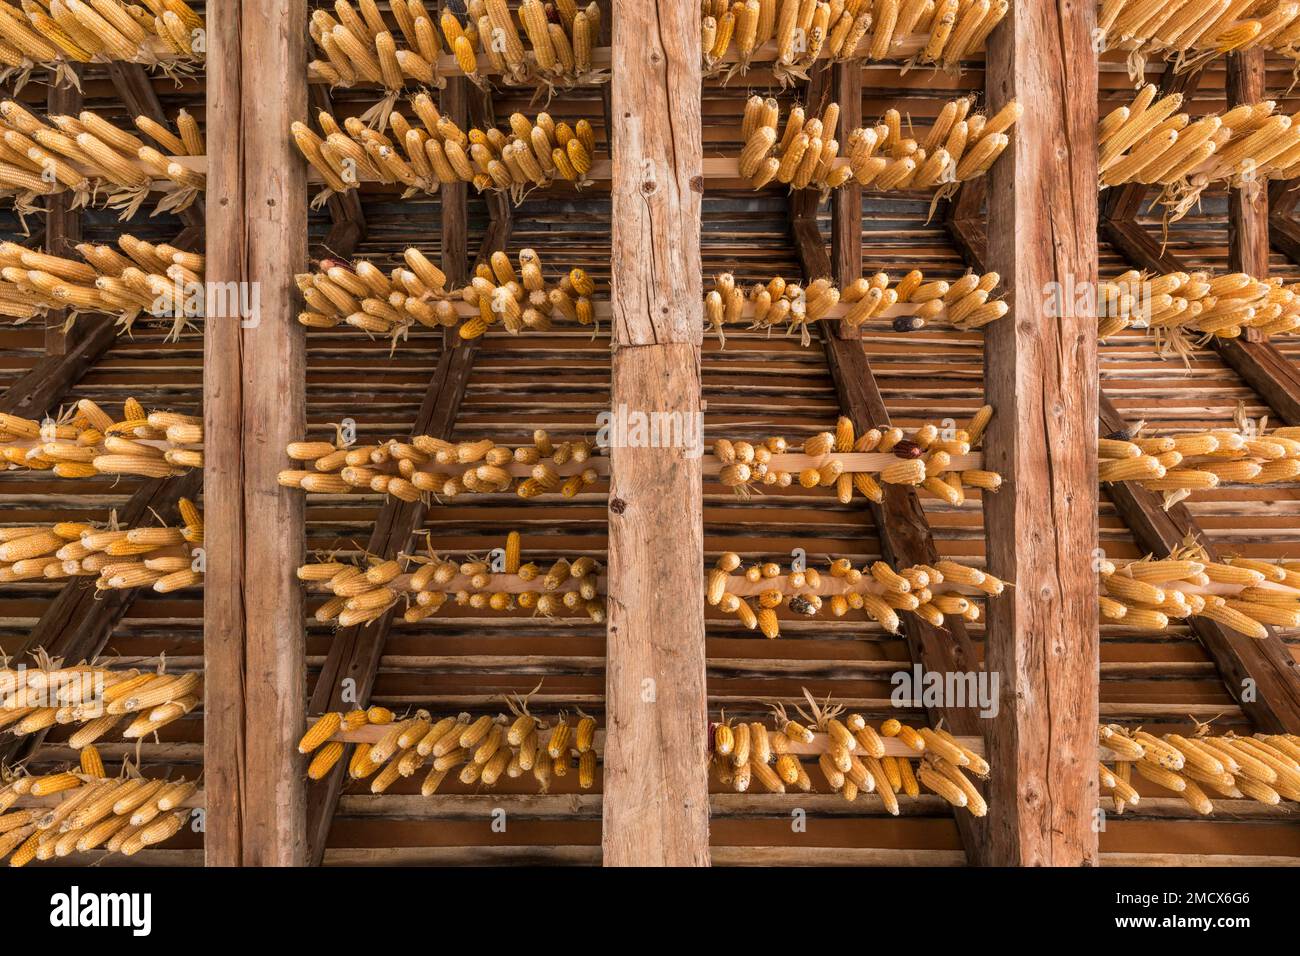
[(254, 370), (656, 809), (1040, 374)]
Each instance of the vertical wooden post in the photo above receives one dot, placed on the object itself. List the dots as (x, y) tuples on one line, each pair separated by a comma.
[(656, 809), (1247, 208), (254, 368), (1041, 379), (846, 202), (62, 223)]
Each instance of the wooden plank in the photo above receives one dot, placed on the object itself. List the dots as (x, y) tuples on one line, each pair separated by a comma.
[(254, 369), (62, 224), (656, 808), (1260, 364), (1247, 208), (846, 202), (1262, 676), (905, 536), (355, 652), (136, 91), (1040, 375)]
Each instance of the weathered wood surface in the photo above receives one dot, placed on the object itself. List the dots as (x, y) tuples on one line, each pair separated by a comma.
[(1247, 208), (656, 809), (254, 370), (1262, 676), (1041, 379), (62, 225)]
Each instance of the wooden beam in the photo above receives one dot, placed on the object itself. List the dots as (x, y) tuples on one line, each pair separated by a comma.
[(905, 536), (1262, 676), (656, 806), (846, 202), (1040, 376), (254, 405), (136, 91), (355, 652), (34, 395), (1260, 364), (62, 222), (1247, 208), (1284, 234), (453, 101)]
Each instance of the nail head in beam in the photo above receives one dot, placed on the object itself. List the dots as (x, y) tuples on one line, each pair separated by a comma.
[(1041, 379)]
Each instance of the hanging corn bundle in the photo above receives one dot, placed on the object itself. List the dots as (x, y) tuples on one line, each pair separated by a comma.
[(1183, 309), (56, 33), (794, 34), (1188, 34), (501, 582), (425, 465), (52, 816), (960, 146), (362, 47), (88, 156), (940, 460), (389, 748), (157, 281), (160, 557), (95, 700), (361, 295), (1179, 464), (851, 755), (1149, 141), (537, 45), (1264, 767), (877, 589), (909, 304), (86, 442), (534, 155), (1244, 595)]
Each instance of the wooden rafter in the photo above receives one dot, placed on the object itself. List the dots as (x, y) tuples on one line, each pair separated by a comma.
[(254, 405), (905, 535), (355, 652), (656, 803), (1040, 372)]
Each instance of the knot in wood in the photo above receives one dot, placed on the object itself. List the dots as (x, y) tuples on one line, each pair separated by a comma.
[(617, 505)]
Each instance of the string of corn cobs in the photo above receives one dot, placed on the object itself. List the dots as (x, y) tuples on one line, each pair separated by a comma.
[(1244, 595), (87, 156), (363, 296), (427, 465), (547, 45), (1180, 309), (960, 146), (877, 589), (1264, 767), (1149, 141), (87, 442), (123, 815), (95, 699), (56, 33), (159, 281), (484, 747), (1189, 34), (796, 33), (158, 557), (910, 303), (501, 583), (851, 757), (930, 457), (1179, 464), (435, 150)]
